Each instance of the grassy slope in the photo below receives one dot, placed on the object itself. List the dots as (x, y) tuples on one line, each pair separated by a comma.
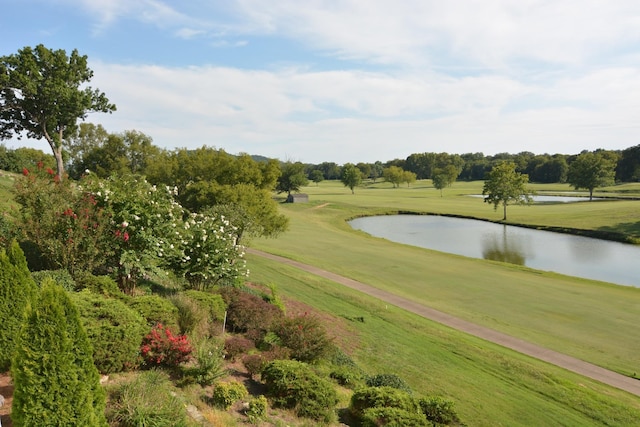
[(590, 320)]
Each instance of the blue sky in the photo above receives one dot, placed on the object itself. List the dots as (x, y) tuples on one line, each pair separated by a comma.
[(353, 80)]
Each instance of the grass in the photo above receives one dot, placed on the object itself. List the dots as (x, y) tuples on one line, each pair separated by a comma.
[(590, 320)]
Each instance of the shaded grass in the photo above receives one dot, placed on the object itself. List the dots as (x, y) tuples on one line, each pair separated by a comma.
[(590, 320), (490, 385)]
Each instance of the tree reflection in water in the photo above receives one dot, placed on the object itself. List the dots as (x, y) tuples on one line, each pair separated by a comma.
[(504, 249)]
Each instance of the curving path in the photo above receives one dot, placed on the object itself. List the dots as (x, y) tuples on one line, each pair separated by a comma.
[(562, 360)]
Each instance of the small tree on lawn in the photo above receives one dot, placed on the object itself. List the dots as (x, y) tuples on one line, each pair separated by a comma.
[(506, 186), (56, 382), (351, 176)]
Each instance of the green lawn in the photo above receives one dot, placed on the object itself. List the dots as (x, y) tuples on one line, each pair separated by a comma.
[(590, 320)]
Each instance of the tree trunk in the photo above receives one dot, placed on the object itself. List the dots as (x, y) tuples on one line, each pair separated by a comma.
[(57, 153), (591, 194), (505, 211)]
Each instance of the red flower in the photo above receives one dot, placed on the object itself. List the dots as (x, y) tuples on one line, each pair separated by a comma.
[(25, 171), (40, 164), (126, 236), (50, 171)]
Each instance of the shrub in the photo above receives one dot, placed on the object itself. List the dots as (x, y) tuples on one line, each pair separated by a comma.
[(146, 400), (114, 329), (381, 397), (292, 384), (347, 377), (226, 394), (102, 285), (439, 410), (305, 336), (155, 309), (17, 289), (61, 277), (162, 348), (213, 303), (209, 364), (56, 382), (193, 318), (237, 345), (255, 363), (392, 417), (257, 409), (249, 312), (388, 380)]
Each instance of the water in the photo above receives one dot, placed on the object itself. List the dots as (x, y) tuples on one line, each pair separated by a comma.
[(543, 250)]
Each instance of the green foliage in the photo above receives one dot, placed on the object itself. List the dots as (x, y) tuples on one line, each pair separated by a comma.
[(213, 303), (506, 186), (347, 377), (392, 417), (388, 380), (114, 329), (351, 176), (61, 277), (208, 365), (292, 384), (226, 394), (56, 382), (17, 290), (381, 397), (193, 317), (592, 170), (257, 409), (305, 336), (394, 175), (101, 285), (155, 309), (291, 178), (438, 410), (147, 400)]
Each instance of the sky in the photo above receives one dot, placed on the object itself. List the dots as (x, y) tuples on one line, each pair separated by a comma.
[(352, 80)]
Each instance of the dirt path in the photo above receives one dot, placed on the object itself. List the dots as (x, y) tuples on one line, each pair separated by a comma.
[(562, 360)]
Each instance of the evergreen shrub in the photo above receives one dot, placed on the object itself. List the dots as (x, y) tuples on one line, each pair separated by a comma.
[(61, 277), (213, 303), (438, 410), (293, 385), (226, 394), (155, 309), (257, 409), (114, 329), (392, 417), (388, 380), (381, 397)]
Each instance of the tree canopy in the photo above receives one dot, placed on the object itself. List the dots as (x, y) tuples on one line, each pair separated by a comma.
[(42, 93), (591, 170), (291, 178), (351, 176), (506, 186)]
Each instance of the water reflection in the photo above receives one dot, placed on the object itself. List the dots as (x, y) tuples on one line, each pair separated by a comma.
[(499, 247)]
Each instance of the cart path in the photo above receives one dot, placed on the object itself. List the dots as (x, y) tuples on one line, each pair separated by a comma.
[(578, 366)]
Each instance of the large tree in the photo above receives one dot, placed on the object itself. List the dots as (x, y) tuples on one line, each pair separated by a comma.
[(351, 176), (505, 186), (590, 170), (292, 178), (43, 93)]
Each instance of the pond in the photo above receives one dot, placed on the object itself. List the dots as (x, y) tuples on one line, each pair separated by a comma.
[(579, 256)]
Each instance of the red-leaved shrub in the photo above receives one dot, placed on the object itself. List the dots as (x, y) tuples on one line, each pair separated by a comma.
[(237, 345), (162, 348)]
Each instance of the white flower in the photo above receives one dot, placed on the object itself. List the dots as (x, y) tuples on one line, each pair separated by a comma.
[(125, 224)]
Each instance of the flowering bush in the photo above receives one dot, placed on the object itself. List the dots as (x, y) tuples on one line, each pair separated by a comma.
[(161, 348)]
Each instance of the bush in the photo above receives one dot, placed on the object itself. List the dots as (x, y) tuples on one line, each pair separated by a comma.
[(388, 380), (226, 394), (305, 336), (347, 377), (17, 290), (114, 329), (438, 410), (213, 303), (61, 277), (56, 382), (193, 318), (162, 348), (257, 409), (146, 400), (155, 309), (209, 364), (247, 312), (237, 345), (392, 417), (293, 385), (101, 285), (381, 397)]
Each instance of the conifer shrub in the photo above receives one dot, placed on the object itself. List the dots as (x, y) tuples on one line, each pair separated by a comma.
[(149, 399), (114, 329), (293, 385), (225, 394), (101, 285), (438, 410), (56, 382), (347, 376), (257, 409), (155, 309), (17, 289), (388, 380), (381, 397), (213, 303), (161, 347), (392, 417), (305, 336), (61, 277), (237, 345)]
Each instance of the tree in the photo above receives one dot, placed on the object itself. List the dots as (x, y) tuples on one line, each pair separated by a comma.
[(351, 176), (316, 176), (506, 186), (408, 177), (41, 94), (591, 170), (56, 382), (292, 178), (393, 174), (440, 180)]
